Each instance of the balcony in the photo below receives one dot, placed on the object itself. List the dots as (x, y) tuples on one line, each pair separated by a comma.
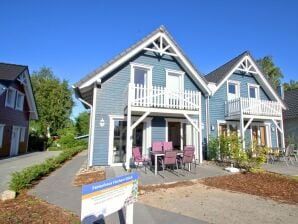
[(252, 107), (162, 98)]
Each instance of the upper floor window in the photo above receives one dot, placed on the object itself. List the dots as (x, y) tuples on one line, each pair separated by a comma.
[(175, 80), (20, 101), (253, 91), (233, 90), (10, 98), (141, 74)]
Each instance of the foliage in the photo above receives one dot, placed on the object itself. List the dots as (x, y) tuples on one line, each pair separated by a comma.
[(213, 148), (291, 85), (54, 101), (82, 123), (28, 176), (274, 73), (230, 148)]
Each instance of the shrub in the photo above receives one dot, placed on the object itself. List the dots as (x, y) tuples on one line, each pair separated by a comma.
[(213, 148), (28, 176), (36, 143)]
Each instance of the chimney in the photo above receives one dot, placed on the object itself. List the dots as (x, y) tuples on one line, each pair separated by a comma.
[(280, 90)]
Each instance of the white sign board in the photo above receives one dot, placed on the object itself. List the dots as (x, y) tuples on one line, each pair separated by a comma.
[(106, 197)]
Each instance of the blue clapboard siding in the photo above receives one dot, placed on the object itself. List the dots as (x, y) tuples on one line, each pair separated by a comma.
[(111, 99), (217, 104)]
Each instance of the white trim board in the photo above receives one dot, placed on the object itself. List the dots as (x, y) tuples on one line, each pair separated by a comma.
[(259, 77), (180, 57)]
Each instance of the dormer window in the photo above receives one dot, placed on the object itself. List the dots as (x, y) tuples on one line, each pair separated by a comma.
[(10, 98), (253, 91)]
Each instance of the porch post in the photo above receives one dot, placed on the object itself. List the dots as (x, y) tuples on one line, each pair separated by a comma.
[(129, 131), (200, 128), (242, 125), (282, 133)]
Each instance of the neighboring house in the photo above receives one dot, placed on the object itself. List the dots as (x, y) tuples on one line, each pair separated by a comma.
[(291, 116), (244, 102), (17, 107), (152, 92)]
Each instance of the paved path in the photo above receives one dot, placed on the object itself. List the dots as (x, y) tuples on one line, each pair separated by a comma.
[(58, 189), (18, 163), (282, 168)]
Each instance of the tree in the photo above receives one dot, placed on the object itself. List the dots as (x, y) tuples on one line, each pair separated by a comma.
[(54, 101), (82, 123), (274, 73), (291, 85)]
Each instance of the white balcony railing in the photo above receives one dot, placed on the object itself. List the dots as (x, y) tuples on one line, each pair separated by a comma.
[(161, 97), (253, 107)]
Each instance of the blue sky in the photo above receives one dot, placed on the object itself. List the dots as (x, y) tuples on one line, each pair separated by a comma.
[(75, 37)]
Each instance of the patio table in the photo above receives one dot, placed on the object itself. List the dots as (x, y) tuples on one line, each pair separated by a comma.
[(161, 153)]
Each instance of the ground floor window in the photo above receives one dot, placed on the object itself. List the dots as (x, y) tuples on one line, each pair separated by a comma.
[(1, 134)]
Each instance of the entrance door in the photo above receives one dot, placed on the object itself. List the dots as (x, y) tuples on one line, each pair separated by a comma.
[(15, 141), (255, 135), (174, 134), (223, 130)]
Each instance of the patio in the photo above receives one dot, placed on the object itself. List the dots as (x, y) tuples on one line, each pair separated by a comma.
[(148, 177)]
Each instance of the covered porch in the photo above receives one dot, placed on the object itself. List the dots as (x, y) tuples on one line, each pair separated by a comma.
[(251, 113)]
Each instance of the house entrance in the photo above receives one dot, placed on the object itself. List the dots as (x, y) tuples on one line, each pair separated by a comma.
[(174, 134)]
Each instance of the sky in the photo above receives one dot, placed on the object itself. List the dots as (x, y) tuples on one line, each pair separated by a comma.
[(74, 37)]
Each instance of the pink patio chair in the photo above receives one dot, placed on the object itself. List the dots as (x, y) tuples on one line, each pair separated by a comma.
[(157, 146), (138, 158), (170, 158), (168, 146), (188, 156)]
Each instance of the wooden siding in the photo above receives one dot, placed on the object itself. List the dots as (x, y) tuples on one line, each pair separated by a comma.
[(11, 117), (217, 106), (111, 98)]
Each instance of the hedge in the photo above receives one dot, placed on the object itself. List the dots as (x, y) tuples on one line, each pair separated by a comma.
[(27, 177)]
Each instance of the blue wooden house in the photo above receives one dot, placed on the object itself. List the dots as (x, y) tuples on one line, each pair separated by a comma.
[(152, 92), (244, 102)]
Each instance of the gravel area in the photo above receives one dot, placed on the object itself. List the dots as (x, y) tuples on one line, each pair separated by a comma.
[(220, 206)]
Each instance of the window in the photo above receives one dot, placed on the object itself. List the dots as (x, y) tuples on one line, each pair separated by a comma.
[(1, 134), (23, 133), (253, 91), (233, 90), (10, 98), (20, 101), (141, 74), (119, 141)]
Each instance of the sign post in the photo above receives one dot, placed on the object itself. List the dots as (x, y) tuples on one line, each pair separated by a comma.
[(106, 197)]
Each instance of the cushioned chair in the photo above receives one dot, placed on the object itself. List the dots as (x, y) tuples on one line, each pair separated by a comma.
[(168, 146), (187, 157), (170, 159), (139, 159)]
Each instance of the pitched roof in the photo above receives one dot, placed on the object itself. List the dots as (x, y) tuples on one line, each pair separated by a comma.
[(10, 71), (128, 50), (291, 99), (220, 73)]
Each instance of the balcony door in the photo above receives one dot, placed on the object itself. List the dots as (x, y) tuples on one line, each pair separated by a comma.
[(175, 86), (233, 90)]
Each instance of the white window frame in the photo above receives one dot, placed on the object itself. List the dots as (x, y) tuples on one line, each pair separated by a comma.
[(178, 73), (1, 134), (237, 84), (149, 68), (14, 98), (18, 95), (257, 87), (22, 134)]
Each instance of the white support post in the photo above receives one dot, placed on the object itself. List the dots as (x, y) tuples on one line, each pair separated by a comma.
[(283, 145), (248, 123), (200, 128), (140, 120), (129, 132), (242, 125), (129, 214)]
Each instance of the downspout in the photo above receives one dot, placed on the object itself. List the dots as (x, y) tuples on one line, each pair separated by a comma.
[(207, 124)]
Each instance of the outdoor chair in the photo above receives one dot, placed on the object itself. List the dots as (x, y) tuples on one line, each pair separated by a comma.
[(187, 158), (139, 159), (168, 146), (170, 159), (288, 153), (157, 146)]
